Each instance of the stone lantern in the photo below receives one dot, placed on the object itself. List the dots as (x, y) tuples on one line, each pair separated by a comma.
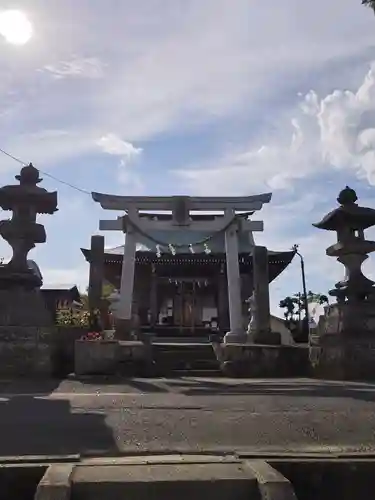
[(345, 347), (22, 232), (21, 303)]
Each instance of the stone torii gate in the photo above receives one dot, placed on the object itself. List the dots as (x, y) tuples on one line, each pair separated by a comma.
[(180, 207)]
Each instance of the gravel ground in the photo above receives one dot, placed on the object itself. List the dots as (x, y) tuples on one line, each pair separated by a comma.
[(189, 414)]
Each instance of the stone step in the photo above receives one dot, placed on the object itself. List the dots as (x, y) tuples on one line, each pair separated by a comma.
[(154, 478), (181, 340), (172, 357), (304, 474)]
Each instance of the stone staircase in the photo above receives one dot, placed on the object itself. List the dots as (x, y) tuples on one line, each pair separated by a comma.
[(247, 476), (191, 357)]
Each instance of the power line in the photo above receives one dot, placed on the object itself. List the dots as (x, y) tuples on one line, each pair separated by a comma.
[(46, 173)]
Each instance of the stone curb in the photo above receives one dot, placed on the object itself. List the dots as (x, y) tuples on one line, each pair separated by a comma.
[(246, 452), (187, 455), (162, 460), (39, 459)]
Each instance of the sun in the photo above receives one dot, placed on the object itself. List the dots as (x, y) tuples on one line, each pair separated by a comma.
[(15, 27)]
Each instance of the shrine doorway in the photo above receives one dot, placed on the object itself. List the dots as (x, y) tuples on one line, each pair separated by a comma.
[(188, 310), (184, 306)]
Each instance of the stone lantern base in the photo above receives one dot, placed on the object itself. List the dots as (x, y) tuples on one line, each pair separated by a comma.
[(25, 334), (344, 346)]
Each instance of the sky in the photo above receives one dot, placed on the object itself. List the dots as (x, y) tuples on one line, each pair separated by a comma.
[(213, 97)]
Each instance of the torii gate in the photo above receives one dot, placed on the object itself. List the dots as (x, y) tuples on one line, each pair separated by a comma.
[(180, 208)]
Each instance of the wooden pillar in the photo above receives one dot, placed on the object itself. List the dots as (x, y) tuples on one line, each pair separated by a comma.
[(96, 275), (222, 306)]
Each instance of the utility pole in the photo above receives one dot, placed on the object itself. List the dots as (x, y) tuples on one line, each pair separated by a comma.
[(305, 301)]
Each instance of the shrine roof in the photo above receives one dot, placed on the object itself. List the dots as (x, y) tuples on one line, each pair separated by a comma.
[(59, 286), (61, 291), (282, 258), (277, 261)]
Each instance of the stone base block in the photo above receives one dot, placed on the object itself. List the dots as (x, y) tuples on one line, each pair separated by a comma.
[(262, 361), (95, 357), (343, 347), (266, 338), (343, 359), (235, 338), (110, 357), (25, 351), (262, 338)]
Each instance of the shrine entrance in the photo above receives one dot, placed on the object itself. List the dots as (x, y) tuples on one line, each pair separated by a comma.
[(188, 306), (143, 219)]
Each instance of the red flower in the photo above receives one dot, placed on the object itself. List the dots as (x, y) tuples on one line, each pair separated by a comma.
[(92, 336)]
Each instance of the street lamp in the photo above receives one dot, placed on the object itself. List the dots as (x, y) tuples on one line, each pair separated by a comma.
[(295, 249)]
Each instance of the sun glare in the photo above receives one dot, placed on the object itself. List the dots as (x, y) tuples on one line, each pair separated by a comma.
[(15, 27)]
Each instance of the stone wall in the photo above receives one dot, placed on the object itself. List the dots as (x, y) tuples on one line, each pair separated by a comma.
[(47, 351), (343, 359), (258, 361), (25, 351)]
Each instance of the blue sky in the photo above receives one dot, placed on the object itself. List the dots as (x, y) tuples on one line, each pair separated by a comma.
[(193, 97)]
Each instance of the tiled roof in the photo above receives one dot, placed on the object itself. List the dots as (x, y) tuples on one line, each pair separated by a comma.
[(58, 286)]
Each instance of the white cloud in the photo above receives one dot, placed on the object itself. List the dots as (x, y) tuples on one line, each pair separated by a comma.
[(336, 131), (89, 67), (114, 145), (174, 67)]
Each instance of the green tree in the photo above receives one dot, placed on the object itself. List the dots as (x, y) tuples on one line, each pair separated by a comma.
[(317, 297), (295, 313), (107, 290)]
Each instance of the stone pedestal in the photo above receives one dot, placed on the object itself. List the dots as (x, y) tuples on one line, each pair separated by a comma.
[(20, 307), (344, 346), (26, 325)]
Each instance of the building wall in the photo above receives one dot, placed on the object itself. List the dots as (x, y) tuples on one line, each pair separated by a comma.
[(277, 325)]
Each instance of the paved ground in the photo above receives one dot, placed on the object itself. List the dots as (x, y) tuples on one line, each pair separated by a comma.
[(185, 413)]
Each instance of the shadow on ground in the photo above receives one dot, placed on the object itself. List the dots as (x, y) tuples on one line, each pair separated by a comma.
[(33, 426), (142, 385), (24, 386), (363, 392)]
